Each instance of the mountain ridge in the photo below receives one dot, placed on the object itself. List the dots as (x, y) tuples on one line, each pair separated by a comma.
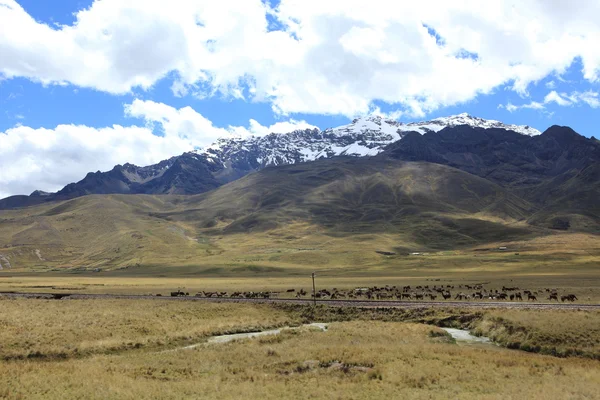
[(229, 159)]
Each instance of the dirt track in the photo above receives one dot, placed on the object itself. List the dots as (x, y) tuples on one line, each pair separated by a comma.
[(334, 303)]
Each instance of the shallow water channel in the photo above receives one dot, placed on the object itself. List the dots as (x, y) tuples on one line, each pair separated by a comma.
[(237, 336), (463, 336), (460, 335)]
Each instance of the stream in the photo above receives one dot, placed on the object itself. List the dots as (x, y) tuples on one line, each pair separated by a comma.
[(463, 336), (236, 336), (460, 335)]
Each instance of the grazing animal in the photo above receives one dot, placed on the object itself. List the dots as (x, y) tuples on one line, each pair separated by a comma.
[(432, 296), (446, 295), (553, 296), (531, 297), (518, 296), (569, 297)]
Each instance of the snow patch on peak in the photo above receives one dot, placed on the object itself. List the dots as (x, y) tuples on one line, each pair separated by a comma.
[(466, 119), (364, 136)]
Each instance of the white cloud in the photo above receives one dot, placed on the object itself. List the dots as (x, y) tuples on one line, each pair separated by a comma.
[(589, 97), (551, 85), (534, 105), (554, 97), (257, 129), (335, 57), (509, 107), (48, 159), (186, 123)]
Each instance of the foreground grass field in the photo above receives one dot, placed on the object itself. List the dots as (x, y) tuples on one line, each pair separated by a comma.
[(59, 330), (116, 349), (559, 332)]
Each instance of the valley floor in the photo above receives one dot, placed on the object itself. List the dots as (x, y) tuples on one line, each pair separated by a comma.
[(125, 349)]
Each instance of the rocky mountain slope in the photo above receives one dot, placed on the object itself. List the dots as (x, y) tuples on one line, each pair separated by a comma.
[(505, 157), (231, 158), (366, 136)]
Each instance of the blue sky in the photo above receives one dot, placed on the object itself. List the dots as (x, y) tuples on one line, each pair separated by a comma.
[(35, 105), (26, 102), (71, 71)]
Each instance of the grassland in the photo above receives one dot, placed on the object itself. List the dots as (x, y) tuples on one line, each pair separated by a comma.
[(334, 219), (560, 332), (273, 261), (60, 330), (363, 355)]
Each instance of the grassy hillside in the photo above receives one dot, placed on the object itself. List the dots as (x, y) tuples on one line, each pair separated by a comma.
[(569, 201), (348, 204), (286, 221), (91, 232)]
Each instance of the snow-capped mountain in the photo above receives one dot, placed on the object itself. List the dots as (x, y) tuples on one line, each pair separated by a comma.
[(438, 124), (231, 158), (366, 136)]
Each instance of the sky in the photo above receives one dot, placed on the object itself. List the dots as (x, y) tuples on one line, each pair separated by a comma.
[(86, 85)]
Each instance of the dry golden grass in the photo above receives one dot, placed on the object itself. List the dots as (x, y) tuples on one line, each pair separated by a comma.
[(62, 329), (557, 332), (395, 360)]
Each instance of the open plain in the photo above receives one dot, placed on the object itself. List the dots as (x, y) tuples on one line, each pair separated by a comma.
[(110, 348)]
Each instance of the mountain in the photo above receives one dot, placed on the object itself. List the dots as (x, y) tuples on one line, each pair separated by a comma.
[(458, 187), (365, 136), (505, 157), (557, 171), (189, 173), (232, 158), (346, 194), (335, 211), (186, 174)]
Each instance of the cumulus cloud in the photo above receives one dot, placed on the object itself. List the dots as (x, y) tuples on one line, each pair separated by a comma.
[(186, 123), (48, 159), (333, 57)]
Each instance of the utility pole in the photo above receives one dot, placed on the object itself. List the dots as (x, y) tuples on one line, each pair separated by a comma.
[(314, 290)]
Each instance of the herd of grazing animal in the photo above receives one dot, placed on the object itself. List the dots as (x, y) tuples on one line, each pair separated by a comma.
[(443, 292)]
